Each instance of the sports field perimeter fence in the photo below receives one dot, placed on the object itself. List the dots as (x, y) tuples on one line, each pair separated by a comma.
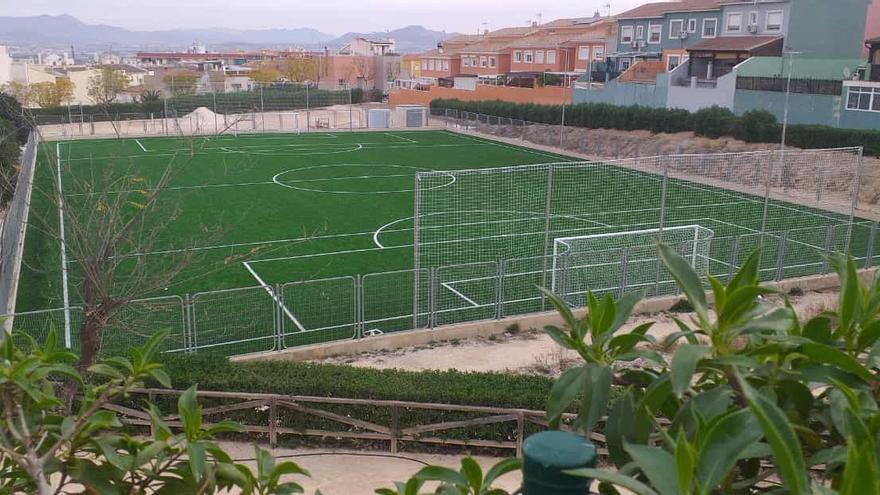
[(484, 243), (205, 110)]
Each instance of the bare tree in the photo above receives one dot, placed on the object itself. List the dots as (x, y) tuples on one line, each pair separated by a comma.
[(364, 69)]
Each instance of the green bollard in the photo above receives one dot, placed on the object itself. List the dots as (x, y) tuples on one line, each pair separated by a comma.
[(547, 454)]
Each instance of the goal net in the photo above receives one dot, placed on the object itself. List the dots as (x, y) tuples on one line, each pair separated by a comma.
[(623, 261)]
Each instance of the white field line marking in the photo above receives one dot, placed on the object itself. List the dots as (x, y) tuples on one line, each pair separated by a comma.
[(176, 188), (64, 283), (219, 151), (401, 137), (138, 141), (399, 230), (490, 142), (459, 294), (274, 296)]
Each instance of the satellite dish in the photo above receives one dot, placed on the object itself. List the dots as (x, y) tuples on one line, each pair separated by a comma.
[(847, 73)]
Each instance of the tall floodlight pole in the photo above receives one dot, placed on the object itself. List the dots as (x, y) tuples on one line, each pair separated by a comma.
[(564, 77), (790, 55)]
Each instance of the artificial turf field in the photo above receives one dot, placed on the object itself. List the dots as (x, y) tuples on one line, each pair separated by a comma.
[(272, 209)]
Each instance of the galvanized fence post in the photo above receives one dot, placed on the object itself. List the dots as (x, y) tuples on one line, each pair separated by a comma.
[(780, 256), (869, 254)]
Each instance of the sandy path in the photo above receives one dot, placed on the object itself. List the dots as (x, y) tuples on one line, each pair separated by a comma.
[(347, 472)]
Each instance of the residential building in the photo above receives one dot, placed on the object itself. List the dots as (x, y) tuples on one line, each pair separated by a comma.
[(5, 66), (693, 54), (366, 47)]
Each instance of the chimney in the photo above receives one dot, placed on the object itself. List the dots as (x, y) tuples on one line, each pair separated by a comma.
[(597, 15), (534, 23)]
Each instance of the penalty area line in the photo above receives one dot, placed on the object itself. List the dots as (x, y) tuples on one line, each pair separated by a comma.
[(139, 143), (459, 294), (274, 296)]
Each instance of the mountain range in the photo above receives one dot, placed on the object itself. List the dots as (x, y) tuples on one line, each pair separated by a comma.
[(66, 30)]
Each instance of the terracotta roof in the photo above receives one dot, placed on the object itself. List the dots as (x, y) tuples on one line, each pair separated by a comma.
[(541, 41), (575, 22), (657, 9), (435, 53), (734, 43), (512, 31), (486, 47)]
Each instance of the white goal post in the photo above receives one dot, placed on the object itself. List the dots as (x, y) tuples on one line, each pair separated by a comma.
[(620, 261)]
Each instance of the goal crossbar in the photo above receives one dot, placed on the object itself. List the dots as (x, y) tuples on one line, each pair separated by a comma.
[(600, 261)]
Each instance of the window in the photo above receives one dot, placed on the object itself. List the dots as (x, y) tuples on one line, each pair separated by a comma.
[(753, 18), (529, 58), (431, 64), (673, 61), (710, 28), (539, 57), (624, 64), (551, 56), (484, 62), (626, 35), (774, 21), (424, 64), (692, 25), (676, 27), (654, 32), (734, 22), (866, 99), (584, 51), (640, 32), (473, 60), (599, 53), (493, 62), (517, 56), (446, 65)]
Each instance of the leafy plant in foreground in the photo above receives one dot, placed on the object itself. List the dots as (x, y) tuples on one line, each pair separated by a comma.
[(43, 450)]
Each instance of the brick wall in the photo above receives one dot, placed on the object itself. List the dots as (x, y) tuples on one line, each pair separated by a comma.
[(544, 96)]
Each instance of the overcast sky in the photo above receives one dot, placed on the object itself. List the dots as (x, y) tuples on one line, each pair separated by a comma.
[(335, 17)]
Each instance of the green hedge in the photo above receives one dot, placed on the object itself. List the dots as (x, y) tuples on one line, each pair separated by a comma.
[(216, 373), (212, 372), (756, 126)]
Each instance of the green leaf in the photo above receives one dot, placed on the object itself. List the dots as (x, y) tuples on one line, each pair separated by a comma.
[(722, 446), (624, 310), (190, 413), (685, 462), (687, 279), (474, 474), (196, 453), (684, 363), (559, 336), (564, 391), (594, 399), (818, 329), (868, 335), (829, 355), (860, 475), (442, 474), (748, 272), (657, 465), (502, 468), (635, 486), (789, 457)]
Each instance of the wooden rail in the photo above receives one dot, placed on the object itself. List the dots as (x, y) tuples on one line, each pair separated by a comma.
[(358, 429)]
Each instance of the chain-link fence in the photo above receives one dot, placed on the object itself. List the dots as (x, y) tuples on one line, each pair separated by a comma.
[(204, 109), (267, 318)]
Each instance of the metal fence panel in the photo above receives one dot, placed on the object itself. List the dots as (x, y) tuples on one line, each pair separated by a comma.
[(235, 321), (37, 324), (466, 293), (319, 311), (394, 301), (136, 322)]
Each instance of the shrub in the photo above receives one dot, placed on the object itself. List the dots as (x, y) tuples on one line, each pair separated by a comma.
[(758, 126), (211, 372), (713, 122), (10, 110), (754, 126)]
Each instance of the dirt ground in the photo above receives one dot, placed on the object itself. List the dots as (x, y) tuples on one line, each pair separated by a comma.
[(345, 472), (531, 350)]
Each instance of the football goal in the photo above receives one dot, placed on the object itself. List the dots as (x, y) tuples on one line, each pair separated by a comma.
[(623, 261)]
